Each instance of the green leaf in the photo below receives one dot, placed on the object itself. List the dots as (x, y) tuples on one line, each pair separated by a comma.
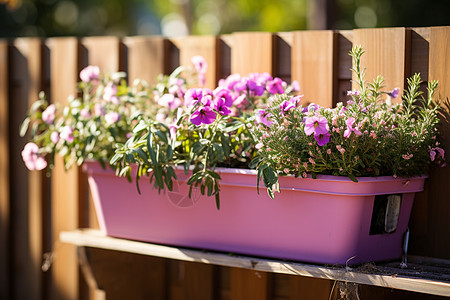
[(225, 141), (217, 201), (169, 152), (352, 177), (137, 179), (150, 148), (115, 158), (140, 126), (162, 136), (141, 154), (158, 172)]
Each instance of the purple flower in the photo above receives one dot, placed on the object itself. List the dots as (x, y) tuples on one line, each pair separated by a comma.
[(255, 88), (287, 105), (90, 73), (322, 139), (203, 115), (311, 107), (112, 117), (48, 115), (196, 95), (67, 134), (31, 157), (221, 92), (394, 93), (262, 116), (275, 86), (316, 125), (220, 106)]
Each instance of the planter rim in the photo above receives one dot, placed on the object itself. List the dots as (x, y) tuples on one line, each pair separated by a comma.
[(323, 184)]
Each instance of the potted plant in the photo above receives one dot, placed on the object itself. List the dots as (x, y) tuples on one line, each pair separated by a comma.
[(202, 145)]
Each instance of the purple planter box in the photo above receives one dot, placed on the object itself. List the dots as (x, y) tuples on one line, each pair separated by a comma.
[(328, 220)]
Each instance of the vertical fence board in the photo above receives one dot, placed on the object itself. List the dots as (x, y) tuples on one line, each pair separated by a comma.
[(387, 54), (252, 52), (308, 288), (283, 59), (26, 187), (4, 173), (146, 58), (248, 284), (206, 46), (65, 185), (344, 61), (313, 65), (438, 188)]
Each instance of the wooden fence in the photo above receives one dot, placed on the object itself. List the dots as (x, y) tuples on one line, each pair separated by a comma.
[(34, 208)]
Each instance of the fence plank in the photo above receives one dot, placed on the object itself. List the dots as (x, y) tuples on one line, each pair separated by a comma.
[(307, 288), (244, 58), (26, 188), (313, 65), (438, 188), (4, 173), (65, 185), (206, 46), (105, 53), (387, 54), (146, 58), (248, 284)]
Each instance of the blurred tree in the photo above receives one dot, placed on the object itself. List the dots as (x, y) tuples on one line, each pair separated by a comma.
[(181, 17)]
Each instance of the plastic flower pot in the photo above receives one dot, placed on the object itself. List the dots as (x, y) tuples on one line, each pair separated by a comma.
[(328, 220)]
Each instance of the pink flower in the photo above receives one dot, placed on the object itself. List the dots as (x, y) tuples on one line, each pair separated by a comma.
[(54, 137), (286, 106), (90, 73), (170, 101), (31, 157), (67, 134), (110, 92), (440, 152), (328, 151), (262, 117), (316, 125), (48, 115), (99, 109), (112, 117), (220, 106), (194, 96), (350, 122), (224, 93), (85, 113), (295, 86), (200, 66)]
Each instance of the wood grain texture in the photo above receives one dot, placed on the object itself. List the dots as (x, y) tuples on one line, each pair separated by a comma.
[(146, 58), (314, 66), (439, 190), (26, 187), (385, 276), (249, 284), (387, 53), (65, 185), (205, 46), (105, 53), (252, 52), (4, 173)]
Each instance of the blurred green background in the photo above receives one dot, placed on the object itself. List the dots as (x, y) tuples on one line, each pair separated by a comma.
[(182, 17)]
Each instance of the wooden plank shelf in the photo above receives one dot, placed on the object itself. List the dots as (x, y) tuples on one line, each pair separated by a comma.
[(423, 275)]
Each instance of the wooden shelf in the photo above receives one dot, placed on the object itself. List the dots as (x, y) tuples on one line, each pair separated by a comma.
[(424, 275)]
